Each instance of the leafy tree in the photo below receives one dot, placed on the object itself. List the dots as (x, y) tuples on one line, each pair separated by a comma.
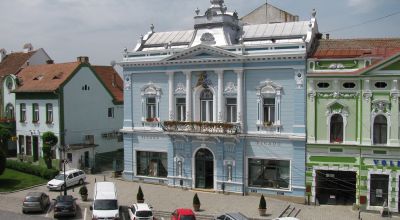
[(2, 162), (5, 135), (49, 140)]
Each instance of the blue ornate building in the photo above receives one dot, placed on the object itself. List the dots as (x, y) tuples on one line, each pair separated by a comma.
[(219, 107)]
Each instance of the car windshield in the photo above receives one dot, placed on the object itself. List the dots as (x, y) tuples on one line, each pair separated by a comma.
[(144, 214), (187, 217), (105, 204), (59, 177)]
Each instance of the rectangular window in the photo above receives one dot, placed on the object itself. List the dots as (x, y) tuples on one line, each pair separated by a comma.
[(181, 109), (379, 189), (151, 164), (35, 112), (22, 112), (231, 110), (269, 111), (49, 113), (269, 173), (110, 112), (151, 108)]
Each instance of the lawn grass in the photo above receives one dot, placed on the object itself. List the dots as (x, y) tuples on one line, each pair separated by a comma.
[(14, 180)]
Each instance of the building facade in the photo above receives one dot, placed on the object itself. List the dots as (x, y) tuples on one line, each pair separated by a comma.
[(80, 103), (353, 123), (219, 107)]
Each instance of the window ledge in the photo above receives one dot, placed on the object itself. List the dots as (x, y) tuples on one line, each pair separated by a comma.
[(269, 126)]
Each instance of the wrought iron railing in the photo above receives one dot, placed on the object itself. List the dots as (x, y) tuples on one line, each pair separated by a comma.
[(201, 127)]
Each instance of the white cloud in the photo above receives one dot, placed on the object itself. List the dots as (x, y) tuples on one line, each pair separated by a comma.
[(363, 6)]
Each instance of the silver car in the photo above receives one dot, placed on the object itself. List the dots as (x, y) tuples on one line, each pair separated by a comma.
[(35, 202)]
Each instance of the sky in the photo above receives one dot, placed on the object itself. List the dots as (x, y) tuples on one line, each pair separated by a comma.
[(101, 29)]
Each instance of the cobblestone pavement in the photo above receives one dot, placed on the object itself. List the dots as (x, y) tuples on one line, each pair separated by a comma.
[(165, 199)]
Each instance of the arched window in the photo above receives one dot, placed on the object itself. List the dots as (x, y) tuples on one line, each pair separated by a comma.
[(206, 105), (380, 130), (336, 133), (10, 111)]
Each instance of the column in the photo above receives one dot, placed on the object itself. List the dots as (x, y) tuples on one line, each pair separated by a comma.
[(311, 111), (188, 95), (366, 114), (220, 96), (171, 101), (394, 128), (239, 96)]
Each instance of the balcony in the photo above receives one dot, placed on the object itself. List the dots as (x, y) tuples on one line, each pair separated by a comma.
[(201, 127)]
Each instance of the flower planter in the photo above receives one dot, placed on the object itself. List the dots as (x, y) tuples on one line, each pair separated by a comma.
[(196, 207), (84, 197), (262, 211)]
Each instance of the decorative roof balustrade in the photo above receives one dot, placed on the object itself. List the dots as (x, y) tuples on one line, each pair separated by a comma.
[(201, 127)]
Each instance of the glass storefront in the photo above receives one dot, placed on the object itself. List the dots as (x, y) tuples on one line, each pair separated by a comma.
[(269, 173), (379, 189), (151, 164)]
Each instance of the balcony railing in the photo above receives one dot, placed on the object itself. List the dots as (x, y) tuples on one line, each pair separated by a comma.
[(201, 127)]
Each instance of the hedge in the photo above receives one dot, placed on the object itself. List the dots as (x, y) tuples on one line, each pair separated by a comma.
[(32, 169)]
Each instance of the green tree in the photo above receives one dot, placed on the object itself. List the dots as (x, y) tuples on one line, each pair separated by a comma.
[(5, 135), (49, 140), (2, 162)]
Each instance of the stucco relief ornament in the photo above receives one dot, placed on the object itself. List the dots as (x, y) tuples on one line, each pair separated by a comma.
[(207, 38), (204, 81), (230, 88), (127, 83), (180, 89)]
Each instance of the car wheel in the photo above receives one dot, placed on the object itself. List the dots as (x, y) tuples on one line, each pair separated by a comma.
[(81, 182), (23, 211), (62, 188)]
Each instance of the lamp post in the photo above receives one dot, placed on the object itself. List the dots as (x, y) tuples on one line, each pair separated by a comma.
[(63, 149)]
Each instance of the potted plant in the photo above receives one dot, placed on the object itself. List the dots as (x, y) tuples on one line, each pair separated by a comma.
[(84, 193), (196, 203), (262, 207), (140, 196)]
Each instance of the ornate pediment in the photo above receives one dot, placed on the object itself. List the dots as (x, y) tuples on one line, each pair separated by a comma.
[(203, 52), (150, 89), (180, 89)]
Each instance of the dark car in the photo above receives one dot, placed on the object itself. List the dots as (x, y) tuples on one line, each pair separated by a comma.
[(35, 202), (64, 206), (231, 216)]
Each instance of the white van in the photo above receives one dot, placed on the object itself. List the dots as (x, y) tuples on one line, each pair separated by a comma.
[(105, 202)]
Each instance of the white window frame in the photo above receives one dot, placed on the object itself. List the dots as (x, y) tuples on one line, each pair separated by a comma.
[(344, 112), (22, 112), (150, 90), (180, 109), (231, 109), (269, 89), (35, 113), (381, 107)]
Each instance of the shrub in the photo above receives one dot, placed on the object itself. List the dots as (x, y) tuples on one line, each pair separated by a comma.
[(263, 203), (83, 190), (196, 200), (32, 169), (139, 195)]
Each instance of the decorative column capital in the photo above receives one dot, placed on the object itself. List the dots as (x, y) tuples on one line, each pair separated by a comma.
[(187, 73), (239, 71), (219, 72), (170, 73)]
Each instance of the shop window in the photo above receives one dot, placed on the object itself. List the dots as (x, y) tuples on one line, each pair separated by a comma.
[(152, 164), (206, 105), (379, 189), (380, 130), (181, 109), (231, 110), (267, 173), (336, 133)]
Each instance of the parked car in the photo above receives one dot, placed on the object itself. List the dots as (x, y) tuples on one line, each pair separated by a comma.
[(72, 177), (35, 202), (140, 211), (286, 218), (231, 216), (183, 214), (64, 205)]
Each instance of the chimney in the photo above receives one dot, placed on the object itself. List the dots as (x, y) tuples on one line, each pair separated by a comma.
[(83, 59), (50, 61), (327, 36), (3, 54), (27, 47)]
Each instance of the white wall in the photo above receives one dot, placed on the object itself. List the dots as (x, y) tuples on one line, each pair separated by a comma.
[(85, 112), (40, 57)]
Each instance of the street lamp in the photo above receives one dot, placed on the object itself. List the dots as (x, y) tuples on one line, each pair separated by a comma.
[(63, 149)]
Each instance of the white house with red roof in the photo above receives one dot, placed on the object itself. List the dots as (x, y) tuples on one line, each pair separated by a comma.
[(80, 103)]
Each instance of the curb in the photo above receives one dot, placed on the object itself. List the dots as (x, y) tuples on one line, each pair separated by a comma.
[(19, 190)]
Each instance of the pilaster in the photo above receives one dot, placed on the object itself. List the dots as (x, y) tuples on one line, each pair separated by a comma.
[(188, 95), (239, 74), (394, 129), (171, 101), (220, 96)]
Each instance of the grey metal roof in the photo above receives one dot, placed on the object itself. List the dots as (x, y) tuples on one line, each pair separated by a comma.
[(279, 30), (180, 37)]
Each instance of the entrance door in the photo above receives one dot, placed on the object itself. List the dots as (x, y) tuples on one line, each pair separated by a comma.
[(35, 145), (204, 169)]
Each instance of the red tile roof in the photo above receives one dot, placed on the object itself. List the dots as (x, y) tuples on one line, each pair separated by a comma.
[(352, 48), (13, 62), (112, 81), (45, 77)]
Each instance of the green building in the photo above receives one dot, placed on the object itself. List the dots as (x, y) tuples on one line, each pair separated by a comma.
[(353, 151)]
